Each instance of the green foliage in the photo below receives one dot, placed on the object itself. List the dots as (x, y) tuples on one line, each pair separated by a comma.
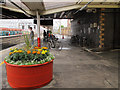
[(29, 62), (35, 56), (27, 42), (62, 26)]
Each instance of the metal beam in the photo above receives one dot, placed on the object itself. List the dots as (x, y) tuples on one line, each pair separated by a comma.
[(55, 15), (76, 6), (65, 8), (62, 14), (18, 10), (83, 7), (79, 1)]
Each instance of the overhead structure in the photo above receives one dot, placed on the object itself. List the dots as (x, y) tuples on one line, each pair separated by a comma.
[(51, 9), (55, 8)]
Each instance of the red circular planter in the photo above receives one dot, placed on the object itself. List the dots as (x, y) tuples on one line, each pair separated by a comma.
[(29, 76)]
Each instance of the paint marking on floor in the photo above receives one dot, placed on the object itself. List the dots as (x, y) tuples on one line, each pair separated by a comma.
[(2, 63)]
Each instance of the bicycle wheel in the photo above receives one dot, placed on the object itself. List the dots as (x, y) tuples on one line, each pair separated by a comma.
[(49, 45), (58, 45), (53, 44)]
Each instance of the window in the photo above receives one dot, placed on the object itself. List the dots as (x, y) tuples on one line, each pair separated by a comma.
[(2, 1), (22, 27), (28, 26)]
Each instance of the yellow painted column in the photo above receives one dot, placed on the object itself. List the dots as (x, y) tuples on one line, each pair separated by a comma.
[(102, 28)]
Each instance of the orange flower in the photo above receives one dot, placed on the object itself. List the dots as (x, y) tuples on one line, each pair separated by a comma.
[(33, 49), (28, 52), (44, 47), (11, 53), (36, 47), (38, 52), (34, 52)]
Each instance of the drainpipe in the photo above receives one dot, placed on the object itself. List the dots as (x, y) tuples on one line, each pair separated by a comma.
[(83, 7), (38, 29)]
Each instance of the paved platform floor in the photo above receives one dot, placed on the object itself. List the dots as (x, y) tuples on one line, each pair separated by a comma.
[(76, 68)]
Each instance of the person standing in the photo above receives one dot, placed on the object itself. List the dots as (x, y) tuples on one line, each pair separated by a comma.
[(44, 34), (31, 36)]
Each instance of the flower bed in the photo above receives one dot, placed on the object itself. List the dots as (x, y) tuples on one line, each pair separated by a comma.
[(29, 57)]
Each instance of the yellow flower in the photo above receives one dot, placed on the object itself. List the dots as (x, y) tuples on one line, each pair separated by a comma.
[(15, 51), (11, 49), (43, 52), (28, 52), (20, 51), (44, 48), (46, 51), (38, 52), (39, 49)]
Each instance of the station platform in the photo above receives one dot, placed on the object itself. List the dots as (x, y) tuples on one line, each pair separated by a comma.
[(76, 68)]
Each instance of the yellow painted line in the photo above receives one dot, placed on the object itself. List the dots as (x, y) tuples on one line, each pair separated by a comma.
[(103, 14), (2, 63), (102, 39), (100, 32), (102, 43), (100, 46), (102, 29), (100, 21), (100, 36), (102, 18), (102, 24)]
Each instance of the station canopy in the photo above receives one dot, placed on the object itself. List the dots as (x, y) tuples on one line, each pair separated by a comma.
[(57, 9)]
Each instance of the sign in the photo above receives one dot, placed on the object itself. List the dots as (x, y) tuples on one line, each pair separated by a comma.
[(44, 22)]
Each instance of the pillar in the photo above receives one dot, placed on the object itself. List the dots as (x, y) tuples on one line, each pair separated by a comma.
[(38, 29), (102, 28)]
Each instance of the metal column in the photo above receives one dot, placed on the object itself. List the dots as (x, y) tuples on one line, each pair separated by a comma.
[(38, 29)]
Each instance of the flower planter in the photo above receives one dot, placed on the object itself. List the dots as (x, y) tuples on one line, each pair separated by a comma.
[(29, 76)]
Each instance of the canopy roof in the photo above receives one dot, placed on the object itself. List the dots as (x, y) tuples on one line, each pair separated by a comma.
[(54, 8)]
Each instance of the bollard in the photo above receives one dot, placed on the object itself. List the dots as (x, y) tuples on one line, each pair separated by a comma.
[(63, 37)]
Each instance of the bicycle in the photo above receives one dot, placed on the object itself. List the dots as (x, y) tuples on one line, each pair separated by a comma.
[(75, 40), (53, 43)]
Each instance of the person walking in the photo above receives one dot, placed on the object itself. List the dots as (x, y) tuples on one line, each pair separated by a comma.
[(31, 36)]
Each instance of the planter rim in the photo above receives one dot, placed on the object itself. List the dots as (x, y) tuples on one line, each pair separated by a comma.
[(28, 65)]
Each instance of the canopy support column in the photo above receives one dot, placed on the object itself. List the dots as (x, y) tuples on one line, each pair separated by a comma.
[(38, 29)]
